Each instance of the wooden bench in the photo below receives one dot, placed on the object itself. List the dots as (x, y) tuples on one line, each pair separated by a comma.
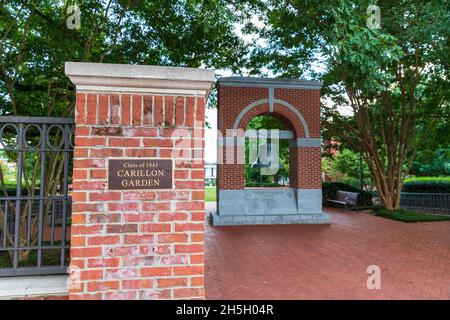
[(346, 198)]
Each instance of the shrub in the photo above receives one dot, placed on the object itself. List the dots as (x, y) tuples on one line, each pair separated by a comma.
[(350, 181), (329, 190), (427, 185), (211, 182), (409, 216), (12, 189)]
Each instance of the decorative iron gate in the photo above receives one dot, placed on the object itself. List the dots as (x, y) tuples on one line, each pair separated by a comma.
[(35, 205)]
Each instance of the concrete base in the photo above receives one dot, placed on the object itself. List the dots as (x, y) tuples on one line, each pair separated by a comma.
[(33, 286), (269, 206), (321, 218)]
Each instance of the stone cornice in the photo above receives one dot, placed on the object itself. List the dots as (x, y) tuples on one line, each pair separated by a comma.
[(268, 83), (105, 77)]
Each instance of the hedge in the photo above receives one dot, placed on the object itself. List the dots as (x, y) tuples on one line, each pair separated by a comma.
[(329, 190), (12, 189), (427, 185)]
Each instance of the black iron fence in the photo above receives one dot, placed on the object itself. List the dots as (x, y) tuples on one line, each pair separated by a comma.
[(426, 202), (35, 205)]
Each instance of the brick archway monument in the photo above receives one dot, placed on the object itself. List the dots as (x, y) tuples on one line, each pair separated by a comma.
[(297, 103)]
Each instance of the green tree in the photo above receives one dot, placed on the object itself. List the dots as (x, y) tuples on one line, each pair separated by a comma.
[(345, 164), (438, 164), (35, 42), (394, 80)]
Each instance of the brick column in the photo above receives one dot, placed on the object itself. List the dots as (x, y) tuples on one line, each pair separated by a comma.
[(138, 244), (307, 164)]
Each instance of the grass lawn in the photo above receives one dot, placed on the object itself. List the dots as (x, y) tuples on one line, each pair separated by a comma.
[(409, 216), (210, 194)]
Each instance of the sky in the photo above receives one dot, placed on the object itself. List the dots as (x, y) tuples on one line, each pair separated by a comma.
[(211, 137)]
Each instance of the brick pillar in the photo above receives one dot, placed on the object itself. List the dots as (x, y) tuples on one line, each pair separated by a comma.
[(146, 243), (306, 163), (309, 166), (294, 172)]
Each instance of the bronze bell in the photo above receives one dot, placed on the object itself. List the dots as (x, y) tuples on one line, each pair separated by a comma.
[(258, 164)]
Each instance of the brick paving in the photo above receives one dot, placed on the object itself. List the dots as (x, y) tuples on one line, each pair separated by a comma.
[(329, 261)]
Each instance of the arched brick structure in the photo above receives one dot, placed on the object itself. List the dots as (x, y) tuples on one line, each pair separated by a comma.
[(291, 116), (297, 102)]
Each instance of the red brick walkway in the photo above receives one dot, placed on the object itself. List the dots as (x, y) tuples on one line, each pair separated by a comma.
[(329, 262)]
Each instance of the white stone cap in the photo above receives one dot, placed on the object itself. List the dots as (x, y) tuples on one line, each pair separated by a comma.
[(107, 77), (32, 286)]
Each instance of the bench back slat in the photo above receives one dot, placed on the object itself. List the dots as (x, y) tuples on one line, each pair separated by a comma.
[(351, 196)]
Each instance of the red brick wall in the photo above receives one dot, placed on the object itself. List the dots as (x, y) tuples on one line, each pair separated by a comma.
[(308, 173), (307, 102), (232, 100), (305, 163), (137, 244)]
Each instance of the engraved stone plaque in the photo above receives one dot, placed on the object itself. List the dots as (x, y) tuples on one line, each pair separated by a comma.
[(139, 174)]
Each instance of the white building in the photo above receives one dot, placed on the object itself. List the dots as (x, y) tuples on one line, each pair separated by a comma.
[(210, 174)]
